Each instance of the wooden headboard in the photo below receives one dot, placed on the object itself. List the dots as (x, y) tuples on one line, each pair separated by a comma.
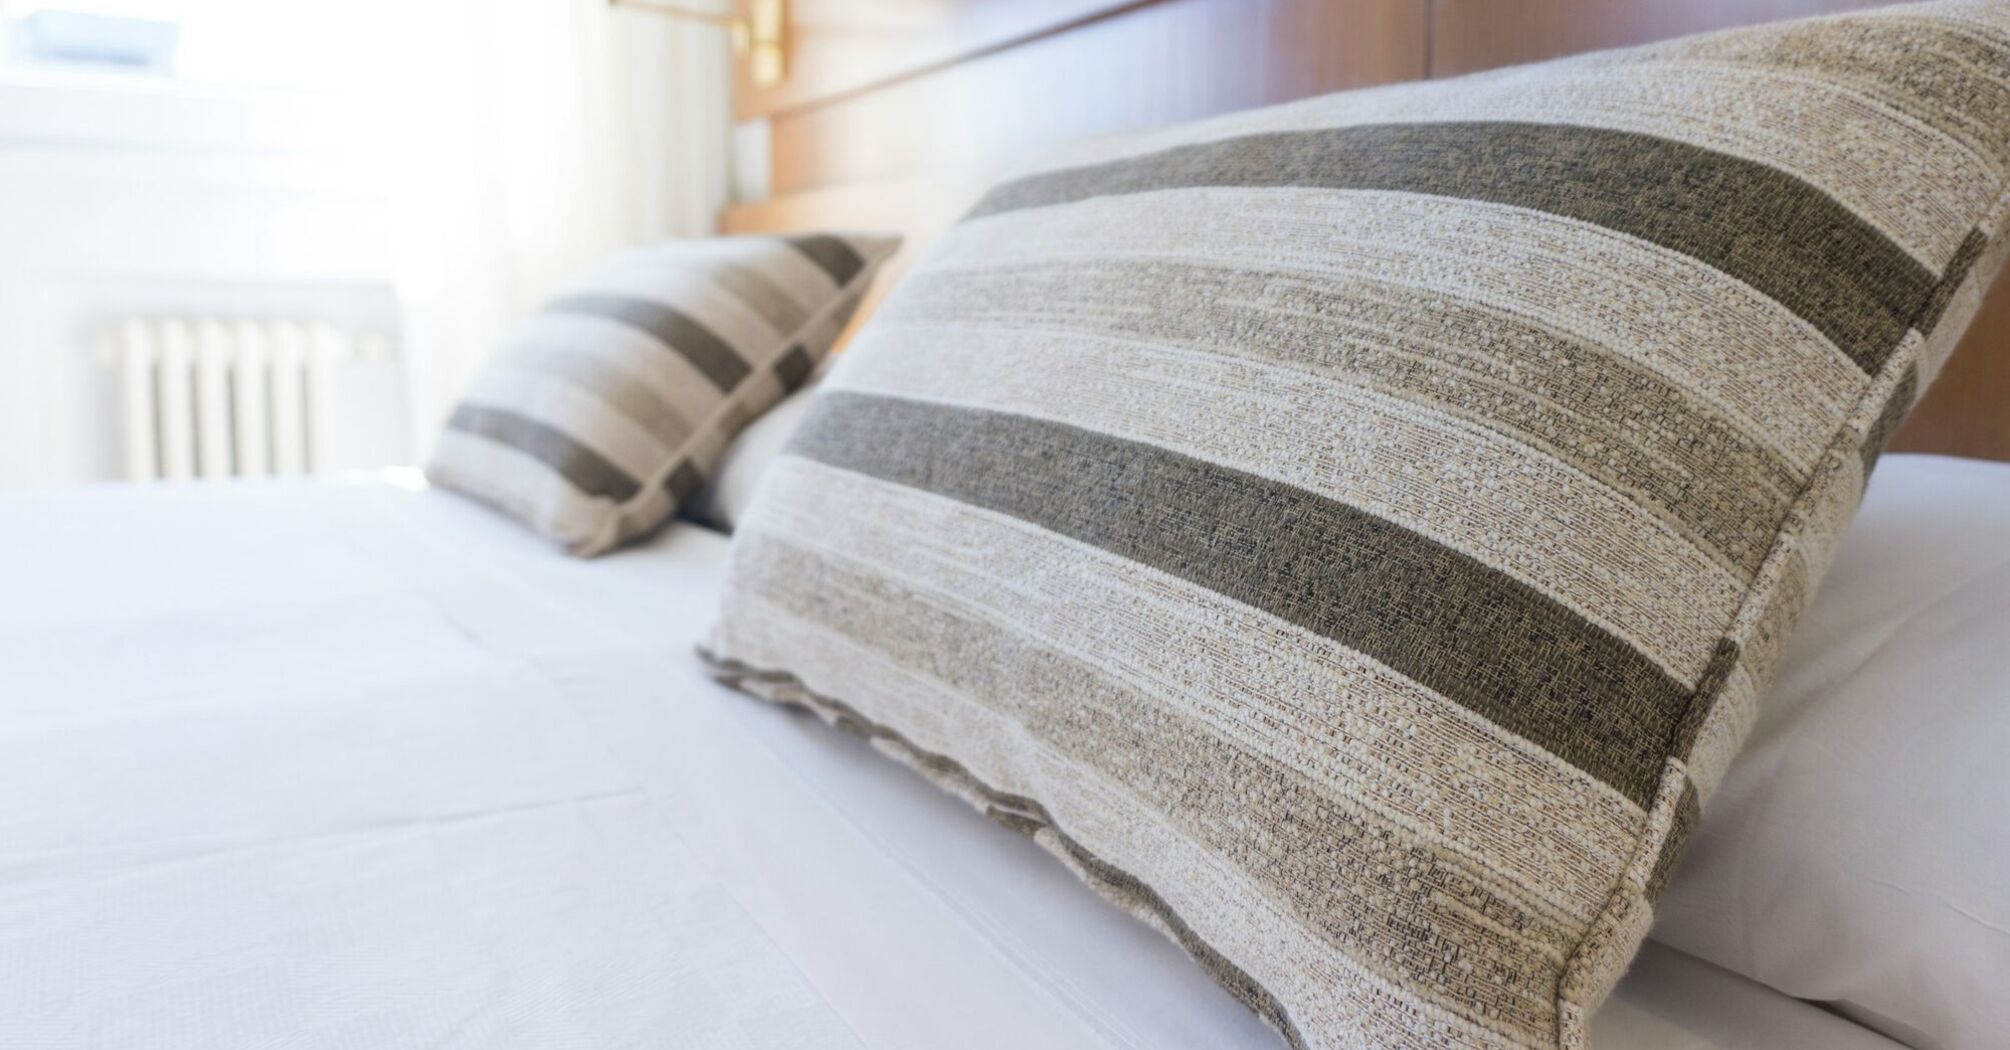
[(894, 112)]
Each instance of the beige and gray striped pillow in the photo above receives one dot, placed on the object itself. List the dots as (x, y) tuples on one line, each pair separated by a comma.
[(1354, 535), (610, 406)]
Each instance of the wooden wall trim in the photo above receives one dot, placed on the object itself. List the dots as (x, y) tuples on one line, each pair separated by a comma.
[(1471, 35), (842, 48), (1145, 64)]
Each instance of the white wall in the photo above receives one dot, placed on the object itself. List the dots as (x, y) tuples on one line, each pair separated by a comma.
[(446, 164), (120, 195)]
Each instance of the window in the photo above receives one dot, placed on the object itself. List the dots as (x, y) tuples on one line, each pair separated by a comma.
[(299, 45)]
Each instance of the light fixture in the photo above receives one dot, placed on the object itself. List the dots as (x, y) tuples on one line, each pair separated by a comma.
[(759, 28)]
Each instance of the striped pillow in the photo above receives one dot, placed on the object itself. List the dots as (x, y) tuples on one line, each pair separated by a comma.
[(610, 406), (1354, 535)]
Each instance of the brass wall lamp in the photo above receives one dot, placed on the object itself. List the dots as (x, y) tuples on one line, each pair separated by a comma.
[(759, 28)]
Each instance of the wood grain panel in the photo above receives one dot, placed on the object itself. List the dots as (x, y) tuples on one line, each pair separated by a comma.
[(1471, 35), (896, 109), (1153, 64), (840, 47), (1966, 412)]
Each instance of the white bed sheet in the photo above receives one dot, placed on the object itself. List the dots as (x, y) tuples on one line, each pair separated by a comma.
[(323, 765)]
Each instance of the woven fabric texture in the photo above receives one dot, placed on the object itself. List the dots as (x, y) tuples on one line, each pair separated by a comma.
[(1354, 535), (611, 405)]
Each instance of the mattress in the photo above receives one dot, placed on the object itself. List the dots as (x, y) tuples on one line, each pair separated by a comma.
[(346, 765)]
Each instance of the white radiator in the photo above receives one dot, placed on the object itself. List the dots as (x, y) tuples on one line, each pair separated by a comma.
[(214, 398)]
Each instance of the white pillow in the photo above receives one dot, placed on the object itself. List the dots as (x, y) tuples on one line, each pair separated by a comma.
[(1858, 853), (723, 499)]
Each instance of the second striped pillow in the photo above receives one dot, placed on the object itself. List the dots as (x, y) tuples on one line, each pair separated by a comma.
[(609, 407)]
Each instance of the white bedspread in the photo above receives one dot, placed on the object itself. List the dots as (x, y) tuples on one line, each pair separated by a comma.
[(321, 765)]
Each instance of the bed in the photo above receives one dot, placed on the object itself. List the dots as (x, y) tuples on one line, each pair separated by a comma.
[(364, 764)]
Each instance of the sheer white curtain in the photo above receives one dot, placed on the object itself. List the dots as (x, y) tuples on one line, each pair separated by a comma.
[(534, 136)]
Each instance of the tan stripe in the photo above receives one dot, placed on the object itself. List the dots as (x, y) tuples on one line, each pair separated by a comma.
[(1440, 770), (613, 346), (1723, 732), (1945, 69), (1598, 412), (1328, 992), (754, 271), (1750, 359), (1065, 700), (575, 413), (785, 311), (791, 269), (1823, 132), (1461, 485), (1964, 302), (695, 294), (621, 390)]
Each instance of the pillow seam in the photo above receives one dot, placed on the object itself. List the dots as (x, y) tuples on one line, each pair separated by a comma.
[(1579, 989)]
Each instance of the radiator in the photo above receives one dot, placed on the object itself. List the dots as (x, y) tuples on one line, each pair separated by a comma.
[(217, 398)]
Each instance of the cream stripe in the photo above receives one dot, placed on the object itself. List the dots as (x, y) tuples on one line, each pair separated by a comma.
[(1438, 766), (517, 484), (696, 295), (1755, 362), (809, 283), (618, 348), (565, 408), (1825, 133), (1233, 913), (1470, 488), (772, 256), (744, 281)]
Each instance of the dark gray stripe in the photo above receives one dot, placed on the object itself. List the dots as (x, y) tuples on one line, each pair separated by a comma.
[(1586, 405), (678, 331), (583, 468), (1761, 225), (683, 480), (793, 368), (835, 256), (1465, 629)]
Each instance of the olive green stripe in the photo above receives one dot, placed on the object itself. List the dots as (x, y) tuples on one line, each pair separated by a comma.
[(1769, 229), (582, 467), (1586, 406), (1448, 621)]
